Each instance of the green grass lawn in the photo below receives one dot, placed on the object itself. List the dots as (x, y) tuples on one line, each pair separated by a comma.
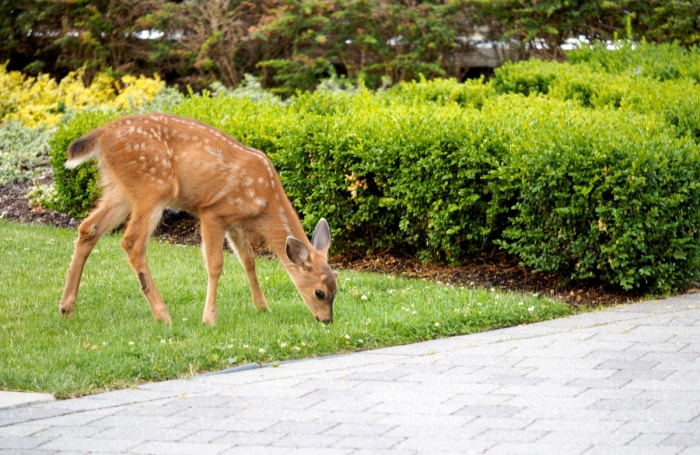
[(113, 341)]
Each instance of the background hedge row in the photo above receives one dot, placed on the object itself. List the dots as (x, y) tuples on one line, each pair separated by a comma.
[(588, 169)]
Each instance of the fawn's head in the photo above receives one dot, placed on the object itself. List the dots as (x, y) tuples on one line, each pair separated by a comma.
[(311, 273)]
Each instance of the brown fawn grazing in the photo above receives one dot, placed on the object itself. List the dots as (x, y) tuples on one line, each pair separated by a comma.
[(150, 162)]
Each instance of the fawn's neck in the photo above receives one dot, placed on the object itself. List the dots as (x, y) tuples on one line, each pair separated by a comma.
[(284, 222)]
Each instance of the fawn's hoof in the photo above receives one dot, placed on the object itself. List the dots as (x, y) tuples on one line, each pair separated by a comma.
[(65, 311)]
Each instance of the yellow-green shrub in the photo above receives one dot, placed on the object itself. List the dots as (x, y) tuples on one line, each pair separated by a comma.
[(41, 100)]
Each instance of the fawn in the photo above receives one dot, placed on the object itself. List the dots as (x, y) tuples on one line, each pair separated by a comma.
[(148, 162)]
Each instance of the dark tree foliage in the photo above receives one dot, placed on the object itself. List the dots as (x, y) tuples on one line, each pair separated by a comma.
[(292, 44)]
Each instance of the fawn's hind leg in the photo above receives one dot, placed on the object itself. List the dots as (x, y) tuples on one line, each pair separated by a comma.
[(141, 224)]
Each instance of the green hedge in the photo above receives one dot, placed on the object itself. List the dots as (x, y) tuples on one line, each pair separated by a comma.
[(587, 174), (659, 61), (677, 100), (609, 196)]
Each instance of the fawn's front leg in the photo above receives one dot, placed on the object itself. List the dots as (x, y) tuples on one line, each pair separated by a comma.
[(241, 246), (107, 215), (212, 248)]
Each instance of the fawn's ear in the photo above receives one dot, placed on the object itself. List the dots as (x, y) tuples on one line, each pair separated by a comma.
[(298, 253), (321, 238)]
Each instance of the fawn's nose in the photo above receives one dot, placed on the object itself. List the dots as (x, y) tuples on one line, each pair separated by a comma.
[(329, 318)]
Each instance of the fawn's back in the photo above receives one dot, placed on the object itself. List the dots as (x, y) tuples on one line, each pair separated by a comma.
[(186, 164)]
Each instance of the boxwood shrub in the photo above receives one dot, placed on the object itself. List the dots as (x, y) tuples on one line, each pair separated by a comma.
[(676, 101), (669, 61), (609, 196)]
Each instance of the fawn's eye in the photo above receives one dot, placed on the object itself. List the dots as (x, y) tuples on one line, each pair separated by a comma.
[(320, 294)]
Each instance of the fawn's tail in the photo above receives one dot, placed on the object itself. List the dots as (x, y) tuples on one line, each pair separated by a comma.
[(82, 150)]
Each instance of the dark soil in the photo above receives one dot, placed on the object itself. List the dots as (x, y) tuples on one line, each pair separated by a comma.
[(498, 270)]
